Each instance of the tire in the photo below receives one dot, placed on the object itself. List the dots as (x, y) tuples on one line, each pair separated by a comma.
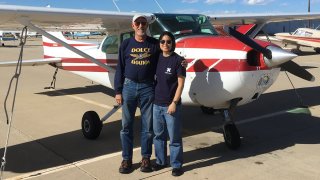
[(317, 50), (207, 110), (231, 136), (91, 125)]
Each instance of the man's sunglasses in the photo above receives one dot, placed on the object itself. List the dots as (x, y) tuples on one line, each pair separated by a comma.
[(138, 23), (165, 41)]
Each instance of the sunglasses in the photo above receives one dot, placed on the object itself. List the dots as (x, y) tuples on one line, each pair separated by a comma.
[(165, 41), (136, 23)]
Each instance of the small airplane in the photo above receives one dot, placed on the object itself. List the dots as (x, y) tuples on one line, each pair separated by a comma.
[(302, 37), (223, 71)]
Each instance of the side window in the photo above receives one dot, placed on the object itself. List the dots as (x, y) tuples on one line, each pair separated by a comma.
[(110, 45), (155, 29), (126, 35)]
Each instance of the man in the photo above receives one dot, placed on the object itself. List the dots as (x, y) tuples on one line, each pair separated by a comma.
[(134, 86)]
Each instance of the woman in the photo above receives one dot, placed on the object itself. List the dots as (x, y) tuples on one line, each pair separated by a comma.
[(170, 77)]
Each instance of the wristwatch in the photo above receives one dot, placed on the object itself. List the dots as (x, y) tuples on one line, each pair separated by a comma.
[(175, 102)]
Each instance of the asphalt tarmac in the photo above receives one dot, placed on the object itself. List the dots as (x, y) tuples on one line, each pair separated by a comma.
[(280, 132)]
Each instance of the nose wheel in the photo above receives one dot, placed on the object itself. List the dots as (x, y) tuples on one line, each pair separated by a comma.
[(230, 131), (231, 136)]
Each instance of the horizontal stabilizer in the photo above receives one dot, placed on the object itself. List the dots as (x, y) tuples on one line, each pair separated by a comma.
[(33, 62)]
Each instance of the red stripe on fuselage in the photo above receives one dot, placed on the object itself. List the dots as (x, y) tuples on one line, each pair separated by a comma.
[(219, 42), (86, 68), (225, 65), (83, 60)]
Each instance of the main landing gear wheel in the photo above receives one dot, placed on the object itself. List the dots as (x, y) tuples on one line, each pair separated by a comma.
[(206, 110), (231, 136), (91, 125)]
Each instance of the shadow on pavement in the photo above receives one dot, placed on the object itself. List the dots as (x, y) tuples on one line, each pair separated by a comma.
[(258, 137)]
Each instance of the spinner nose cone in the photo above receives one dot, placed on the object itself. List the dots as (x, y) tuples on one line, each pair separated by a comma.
[(279, 56)]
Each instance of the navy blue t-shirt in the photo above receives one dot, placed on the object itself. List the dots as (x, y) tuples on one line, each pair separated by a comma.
[(168, 70), (137, 61)]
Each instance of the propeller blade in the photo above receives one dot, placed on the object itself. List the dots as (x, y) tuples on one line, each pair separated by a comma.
[(297, 70), (248, 41)]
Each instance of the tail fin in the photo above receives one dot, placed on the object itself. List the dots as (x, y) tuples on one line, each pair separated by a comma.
[(52, 49)]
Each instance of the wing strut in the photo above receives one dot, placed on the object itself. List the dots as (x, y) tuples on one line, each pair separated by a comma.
[(13, 82), (66, 45)]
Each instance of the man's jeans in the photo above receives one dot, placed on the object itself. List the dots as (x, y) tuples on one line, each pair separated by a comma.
[(163, 121), (137, 94)]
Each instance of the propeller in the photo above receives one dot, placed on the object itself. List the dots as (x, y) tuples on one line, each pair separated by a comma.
[(274, 56)]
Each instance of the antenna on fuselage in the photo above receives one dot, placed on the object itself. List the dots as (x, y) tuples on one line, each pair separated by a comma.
[(159, 6), (114, 2)]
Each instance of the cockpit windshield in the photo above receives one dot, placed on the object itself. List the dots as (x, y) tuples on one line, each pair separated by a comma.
[(181, 25)]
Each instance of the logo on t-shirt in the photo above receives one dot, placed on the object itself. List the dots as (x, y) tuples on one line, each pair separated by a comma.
[(140, 59), (168, 71)]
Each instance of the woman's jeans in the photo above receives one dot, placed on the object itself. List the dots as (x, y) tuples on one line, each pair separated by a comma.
[(163, 124)]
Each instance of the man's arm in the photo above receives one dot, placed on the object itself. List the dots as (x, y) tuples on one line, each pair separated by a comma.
[(119, 76)]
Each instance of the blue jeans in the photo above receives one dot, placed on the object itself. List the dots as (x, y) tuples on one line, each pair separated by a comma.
[(137, 94), (163, 121)]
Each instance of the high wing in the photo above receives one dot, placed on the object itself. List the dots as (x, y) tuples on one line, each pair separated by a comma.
[(78, 19), (259, 19), (235, 19), (65, 19)]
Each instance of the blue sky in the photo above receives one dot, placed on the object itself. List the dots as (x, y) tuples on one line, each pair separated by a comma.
[(179, 6)]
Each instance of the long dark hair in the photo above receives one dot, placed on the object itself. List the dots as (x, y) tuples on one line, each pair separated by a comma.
[(173, 47)]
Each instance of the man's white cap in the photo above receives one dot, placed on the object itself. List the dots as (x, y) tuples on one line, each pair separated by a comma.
[(135, 17)]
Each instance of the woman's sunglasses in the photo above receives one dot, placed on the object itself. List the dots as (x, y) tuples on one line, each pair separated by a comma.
[(138, 23), (165, 41)]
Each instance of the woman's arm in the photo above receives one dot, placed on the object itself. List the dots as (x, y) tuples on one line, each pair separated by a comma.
[(177, 96)]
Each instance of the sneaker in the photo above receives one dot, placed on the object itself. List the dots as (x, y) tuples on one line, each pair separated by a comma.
[(177, 172), (158, 167), (145, 165), (125, 167)]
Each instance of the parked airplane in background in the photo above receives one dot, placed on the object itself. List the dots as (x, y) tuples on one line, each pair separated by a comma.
[(302, 37), (77, 34), (7, 36), (223, 71), (14, 36)]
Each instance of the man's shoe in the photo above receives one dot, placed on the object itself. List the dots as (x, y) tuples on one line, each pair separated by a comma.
[(125, 167), (145, 165), (158, 167), (177, 172)]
